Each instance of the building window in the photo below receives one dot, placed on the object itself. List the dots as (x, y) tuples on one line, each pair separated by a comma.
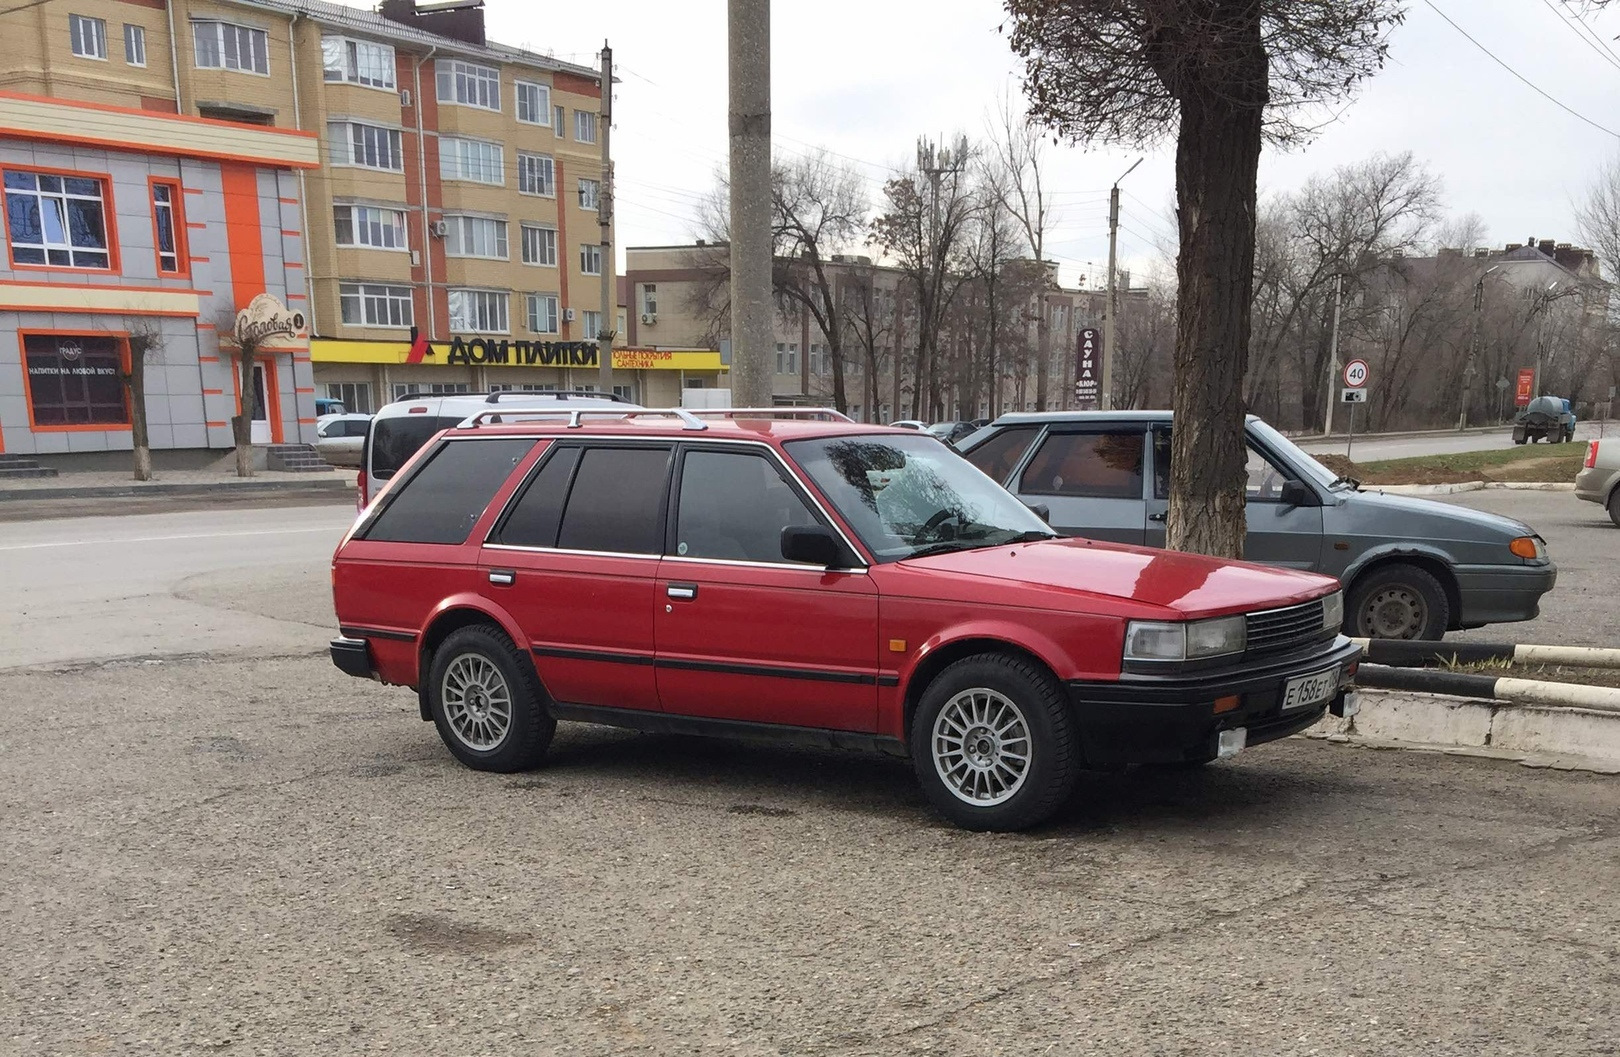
[(533, 103), (539, 245), (358, 62), (559, 121), (224, 46), (367, 227), (625, 392), (585, 126), (475, 237), (820, 359), (76, 380), (469, 84), (589, 193), (787, 357), (375, 305), (649, 298), (134, 45), (354, 396), (590, 259), (89, 36), (543, 313), (170, 225), (478, 312), (471, 159), (537, 174), (590, 324), (367, 146), (57, 221)]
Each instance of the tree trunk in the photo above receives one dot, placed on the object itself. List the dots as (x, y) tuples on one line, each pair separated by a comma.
[(242, 423), (137, 417), (1217, 160)]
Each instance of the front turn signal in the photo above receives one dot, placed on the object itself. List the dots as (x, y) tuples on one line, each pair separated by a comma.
[(1527, 547)]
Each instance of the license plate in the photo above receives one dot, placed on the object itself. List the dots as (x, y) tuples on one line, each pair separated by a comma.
[(1310, 690)]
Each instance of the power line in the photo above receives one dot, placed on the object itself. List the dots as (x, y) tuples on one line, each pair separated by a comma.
[(1528, 83), (1590, 32), (1602, 53)]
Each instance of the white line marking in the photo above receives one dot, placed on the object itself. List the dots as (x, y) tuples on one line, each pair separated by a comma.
[(338, 531)]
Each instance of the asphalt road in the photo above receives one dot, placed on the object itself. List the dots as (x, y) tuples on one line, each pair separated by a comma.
[(247, 852), (1375, 448)]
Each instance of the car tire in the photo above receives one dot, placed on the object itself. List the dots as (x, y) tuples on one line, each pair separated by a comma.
[(996, 702), (487, 703), (1397, 601), (1613, 506)]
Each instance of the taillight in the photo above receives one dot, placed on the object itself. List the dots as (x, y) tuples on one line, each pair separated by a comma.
[(1591, 454), (360, 488)]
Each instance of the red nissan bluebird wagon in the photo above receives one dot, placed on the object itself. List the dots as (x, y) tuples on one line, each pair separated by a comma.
[(795, 575)]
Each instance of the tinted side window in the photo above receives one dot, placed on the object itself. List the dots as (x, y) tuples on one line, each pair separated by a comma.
[(1088, 465), (998, 455), (537, 514), (734, 505), (395, 440), (444, 499), (617, 502)]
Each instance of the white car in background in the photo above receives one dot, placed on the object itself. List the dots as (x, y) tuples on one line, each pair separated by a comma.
[(910, 423), (339, 439)]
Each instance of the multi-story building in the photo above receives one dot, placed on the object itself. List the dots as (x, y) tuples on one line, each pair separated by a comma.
[(458, 193)]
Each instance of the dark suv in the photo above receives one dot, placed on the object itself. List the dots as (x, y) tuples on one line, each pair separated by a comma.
[(792, 574)]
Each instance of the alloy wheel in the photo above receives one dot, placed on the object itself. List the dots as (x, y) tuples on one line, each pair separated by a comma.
[(981, 747), (477, 702)]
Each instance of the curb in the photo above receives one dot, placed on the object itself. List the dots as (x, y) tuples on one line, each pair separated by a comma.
[(131, 490), (1537, 735)]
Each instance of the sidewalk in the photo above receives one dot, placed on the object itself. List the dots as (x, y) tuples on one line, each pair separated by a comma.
[(93, 484)]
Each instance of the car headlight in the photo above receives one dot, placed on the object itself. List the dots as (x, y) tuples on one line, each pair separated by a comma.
[(1333, 611), (1154, 640)]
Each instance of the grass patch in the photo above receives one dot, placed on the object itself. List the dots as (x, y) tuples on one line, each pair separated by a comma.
[(1527, 463), (1609, 677)]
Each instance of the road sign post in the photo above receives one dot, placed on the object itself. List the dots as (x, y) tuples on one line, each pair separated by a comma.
[(1355, 392)]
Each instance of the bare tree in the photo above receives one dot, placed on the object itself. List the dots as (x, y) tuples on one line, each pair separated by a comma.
[(145, 343), (1020, 156), (1222, 73), (869, 314), (247, 353), (997, 246), (1597, 215)]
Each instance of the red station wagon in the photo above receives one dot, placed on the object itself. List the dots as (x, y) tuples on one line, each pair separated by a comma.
[(792, 574)]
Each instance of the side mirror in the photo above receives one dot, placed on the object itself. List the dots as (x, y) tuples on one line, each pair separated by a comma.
[(1295, 493), (811, 544), (1041, 510)]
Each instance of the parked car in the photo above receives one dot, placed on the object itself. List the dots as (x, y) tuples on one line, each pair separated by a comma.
[(817, 581), (1412, 568), (951, 432), (399, 428), (325, 405), (1547, 418), (910, 423), (341, 439), (1599, 478)]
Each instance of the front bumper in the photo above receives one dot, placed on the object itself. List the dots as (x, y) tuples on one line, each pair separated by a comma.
[(1594, 484), (353, 657), (1500, 594), (1172, 718)]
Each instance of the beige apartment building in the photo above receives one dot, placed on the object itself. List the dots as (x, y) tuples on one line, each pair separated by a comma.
[(457, 197)]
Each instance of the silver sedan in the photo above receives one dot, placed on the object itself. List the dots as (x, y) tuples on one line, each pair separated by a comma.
[(340, 438), (1597, 481)]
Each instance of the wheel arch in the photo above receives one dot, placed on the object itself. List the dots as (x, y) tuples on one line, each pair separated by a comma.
[(451, 616), (1433, 564), (936, 660)]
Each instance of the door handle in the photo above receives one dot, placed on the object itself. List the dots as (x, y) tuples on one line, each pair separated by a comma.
[(1163, 515), (685, 592), (503, 577)]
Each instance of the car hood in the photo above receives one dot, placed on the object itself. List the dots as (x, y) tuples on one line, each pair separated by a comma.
[(1404, 515), (1188, 585)]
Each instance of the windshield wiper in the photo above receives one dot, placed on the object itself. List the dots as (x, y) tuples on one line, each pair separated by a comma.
[(1030, 536), (946, 547), (962, 543)]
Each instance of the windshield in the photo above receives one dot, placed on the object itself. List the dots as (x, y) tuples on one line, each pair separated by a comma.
[(909, 496), (1297, 457)]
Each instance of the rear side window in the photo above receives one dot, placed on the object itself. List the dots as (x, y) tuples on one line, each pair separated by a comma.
[(395, 439), (1087, 465), (617, 502), (537, 514), (444, 499), (998, 455)]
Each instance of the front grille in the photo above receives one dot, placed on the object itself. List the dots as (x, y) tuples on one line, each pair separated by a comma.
[(1277, 630)]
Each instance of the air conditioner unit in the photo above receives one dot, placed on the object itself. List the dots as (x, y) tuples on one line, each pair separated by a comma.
[(568, 315), (405, 97), (649, 319), (441, 228)]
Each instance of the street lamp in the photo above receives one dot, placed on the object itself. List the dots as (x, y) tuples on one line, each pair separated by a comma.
[(1111, 306), (1469, 368)]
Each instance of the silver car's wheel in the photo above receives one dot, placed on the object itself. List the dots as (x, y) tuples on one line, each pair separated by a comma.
[(477, 702), (981, 747), (1394, 612)]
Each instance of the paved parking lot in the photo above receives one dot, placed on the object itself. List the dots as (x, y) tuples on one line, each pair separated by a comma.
[(246, 852)]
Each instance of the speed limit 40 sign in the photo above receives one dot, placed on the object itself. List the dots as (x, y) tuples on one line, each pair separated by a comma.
[(1355, 374)]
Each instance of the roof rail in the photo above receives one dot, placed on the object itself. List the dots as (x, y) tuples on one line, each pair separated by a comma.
[(826, 413), (576, 415)]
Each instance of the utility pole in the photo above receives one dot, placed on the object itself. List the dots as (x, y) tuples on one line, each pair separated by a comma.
[(1111, 305), (748, 39), (1333, 353), (1470, 369), (935, 165), (608, 327)]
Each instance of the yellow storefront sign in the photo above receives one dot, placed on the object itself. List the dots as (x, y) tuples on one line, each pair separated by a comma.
[(505, 353)]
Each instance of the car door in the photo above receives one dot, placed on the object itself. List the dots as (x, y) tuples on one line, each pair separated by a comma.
[(1278, 532), (741, 633), (574, 559), (1091, 480)]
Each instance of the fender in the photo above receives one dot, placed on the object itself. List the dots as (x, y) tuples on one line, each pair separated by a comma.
[(478, 603)]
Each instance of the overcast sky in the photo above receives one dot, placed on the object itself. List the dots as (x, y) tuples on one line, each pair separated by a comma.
[(863, 78)]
